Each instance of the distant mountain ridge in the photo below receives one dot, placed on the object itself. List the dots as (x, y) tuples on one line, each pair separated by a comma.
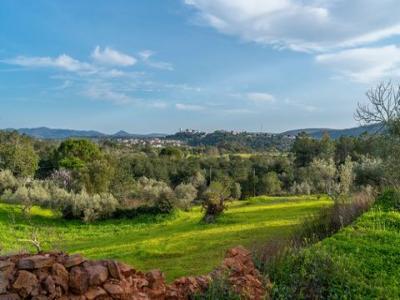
[(336, 133), (59, 134)]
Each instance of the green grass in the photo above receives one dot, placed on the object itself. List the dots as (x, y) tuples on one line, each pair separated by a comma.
[(362, 261), (178, 244)]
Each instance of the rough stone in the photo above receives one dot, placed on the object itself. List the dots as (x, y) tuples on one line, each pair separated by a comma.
[(114, 269), (10, 296), (96, 293), (78, 280), (35, 262), (98, 274), (74, 260), (73, 277), (26, 283), (60, 276)]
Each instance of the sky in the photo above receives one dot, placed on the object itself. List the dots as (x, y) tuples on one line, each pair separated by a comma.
[(161, 65)]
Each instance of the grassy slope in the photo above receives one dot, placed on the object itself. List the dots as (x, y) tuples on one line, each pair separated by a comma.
[(365, 257), (178, 245)]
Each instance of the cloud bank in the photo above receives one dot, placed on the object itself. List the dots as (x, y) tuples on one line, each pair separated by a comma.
[(302, 25)]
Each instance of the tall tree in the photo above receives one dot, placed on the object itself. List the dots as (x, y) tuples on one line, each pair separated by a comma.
[(17, 154)]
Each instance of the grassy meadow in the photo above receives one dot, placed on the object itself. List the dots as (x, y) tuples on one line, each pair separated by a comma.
[(359, 262), (178, 244)]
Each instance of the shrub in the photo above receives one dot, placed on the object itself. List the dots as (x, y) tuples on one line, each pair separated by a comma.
[(369, 171), (346, 176), (184, 196), (155, 193), (303, 188), (322, 174), (92, 207), (62, 178), (236, 191), (219, 288), (7, 181), (271, 184), (215, 201), (48, 195), (304, 274), (331, 219)]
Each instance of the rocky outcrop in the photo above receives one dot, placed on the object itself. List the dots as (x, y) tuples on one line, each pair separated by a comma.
[(62, 276)]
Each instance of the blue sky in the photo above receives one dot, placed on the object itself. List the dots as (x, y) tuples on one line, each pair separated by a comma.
[(158, 65)]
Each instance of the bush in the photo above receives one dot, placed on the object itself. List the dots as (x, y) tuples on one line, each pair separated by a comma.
[(92, 207), (220, 289), (48, 195), (369, 171), (62, 178), (331, 219), (7, 181), (184, 196), (322, 175), (215, 201), (303, 188), (271, 184), (305, 274), (155, 193)]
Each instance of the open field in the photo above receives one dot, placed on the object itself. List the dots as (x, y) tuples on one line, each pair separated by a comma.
[(178, 244)]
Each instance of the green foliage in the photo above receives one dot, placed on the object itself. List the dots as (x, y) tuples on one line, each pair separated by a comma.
[(155, 193), (215, 200), (91, 207), (388, 201), (184, 196), (220, 289), (17, 154), (359, 262), (270, 184), (90, 168), (369, 171), (171, 152), (7, 181), (47, 195)]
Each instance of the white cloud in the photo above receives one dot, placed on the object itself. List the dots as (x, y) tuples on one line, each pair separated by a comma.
[(364, 64), (189, 107), (109, 56), (146, 58), (260, 98), (305, 25), (158, 104), (306, 107), (63, 61), (146, 54), (107, 93)]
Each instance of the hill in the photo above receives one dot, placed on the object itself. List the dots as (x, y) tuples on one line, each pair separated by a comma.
[(336, 133), (254, 140), (59, 134)]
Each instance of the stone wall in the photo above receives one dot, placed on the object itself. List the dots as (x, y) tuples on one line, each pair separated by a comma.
[(62, 276)]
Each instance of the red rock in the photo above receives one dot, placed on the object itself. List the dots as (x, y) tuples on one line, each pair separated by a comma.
[(98, 274), (26, 283), (126, 270), (35, 262), (74, 260), (115, 290), (114, 269), (78, 280), (49, 285), (60, 276), (10, 296), (96, 293)]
